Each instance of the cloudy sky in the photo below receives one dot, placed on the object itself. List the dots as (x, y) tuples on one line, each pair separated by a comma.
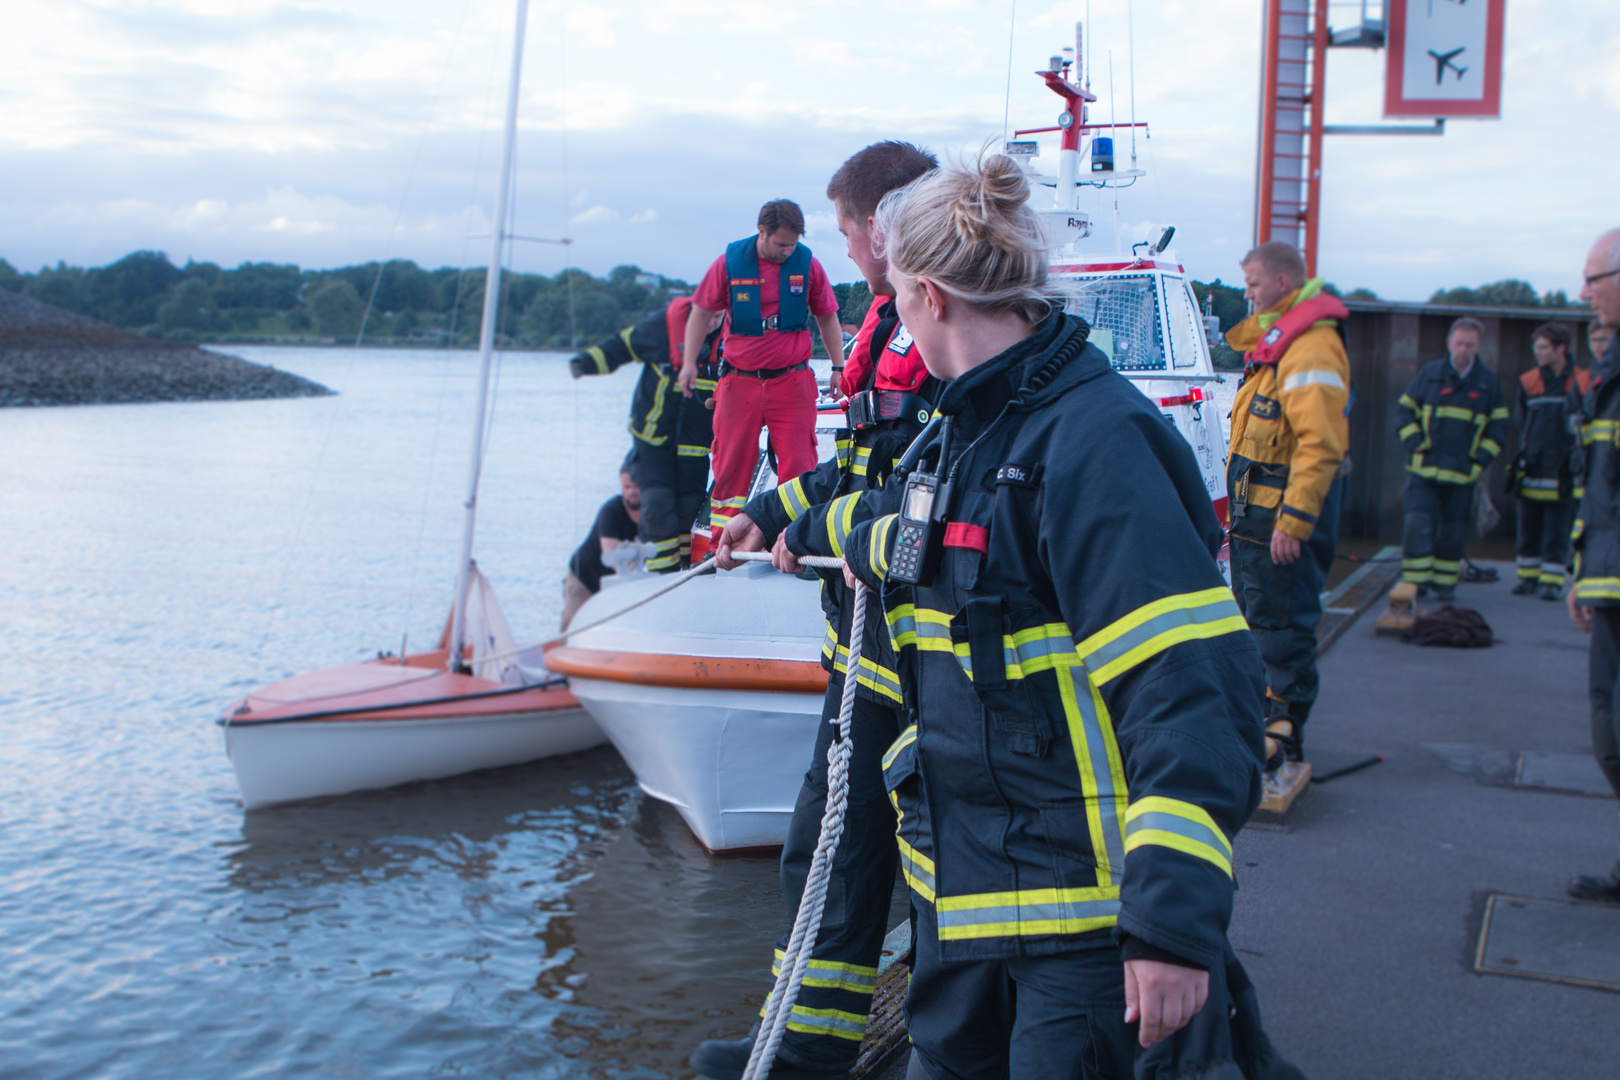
[(326, 132)]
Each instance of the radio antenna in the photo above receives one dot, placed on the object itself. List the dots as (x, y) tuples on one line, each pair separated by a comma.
[(1006, 108), (1130, 40)]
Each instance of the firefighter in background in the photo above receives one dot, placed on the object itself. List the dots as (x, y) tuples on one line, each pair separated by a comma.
[(1087, 734), (772, 287), (670, 459), (1547, 467), (1452, 421), (1285, 476), (890, 397), (1594, 602)]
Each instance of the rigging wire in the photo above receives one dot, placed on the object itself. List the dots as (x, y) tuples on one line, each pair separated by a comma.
[(573, 332), (1006, 108), (337, 408)]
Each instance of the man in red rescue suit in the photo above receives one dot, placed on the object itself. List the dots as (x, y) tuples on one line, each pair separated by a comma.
[(1452, 421), (1284, 478), (1548, 465), (772, 286), (672, 432), (890, 397)]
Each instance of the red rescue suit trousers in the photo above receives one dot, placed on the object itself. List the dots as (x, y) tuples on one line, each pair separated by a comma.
[(743, 403)]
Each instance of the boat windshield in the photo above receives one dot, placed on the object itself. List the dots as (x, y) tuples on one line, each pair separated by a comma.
[(1123, 310)]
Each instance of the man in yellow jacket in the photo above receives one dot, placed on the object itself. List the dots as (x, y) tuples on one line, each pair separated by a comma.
[(1290, 434)]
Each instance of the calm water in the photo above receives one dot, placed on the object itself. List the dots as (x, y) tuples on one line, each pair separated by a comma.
[(157, 561)]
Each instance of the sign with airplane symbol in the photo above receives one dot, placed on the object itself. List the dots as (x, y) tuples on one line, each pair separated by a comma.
[(1445, 58)]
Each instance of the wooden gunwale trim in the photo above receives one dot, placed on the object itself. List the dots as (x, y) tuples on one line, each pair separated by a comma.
[(689, 672)]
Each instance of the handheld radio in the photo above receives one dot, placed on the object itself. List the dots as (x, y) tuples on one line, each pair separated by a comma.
[(920, 530)]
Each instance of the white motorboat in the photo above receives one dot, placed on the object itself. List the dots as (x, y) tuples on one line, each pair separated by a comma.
[(712, 693)]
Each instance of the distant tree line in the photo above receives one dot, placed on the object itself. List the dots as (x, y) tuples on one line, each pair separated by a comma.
[(201, 301)]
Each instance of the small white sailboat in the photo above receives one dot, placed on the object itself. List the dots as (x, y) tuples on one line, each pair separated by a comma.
[(713, 692), (467, 705)]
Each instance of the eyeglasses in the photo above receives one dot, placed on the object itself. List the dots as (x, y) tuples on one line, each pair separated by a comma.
[(1599, 277)]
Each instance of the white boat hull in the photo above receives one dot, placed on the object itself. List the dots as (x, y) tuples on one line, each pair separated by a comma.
[(730, 761), (283, 762)]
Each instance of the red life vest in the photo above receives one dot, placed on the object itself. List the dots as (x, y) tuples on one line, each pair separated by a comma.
[(1292, 323)]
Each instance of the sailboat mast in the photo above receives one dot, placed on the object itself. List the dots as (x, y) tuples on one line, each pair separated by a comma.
[(486, 342)]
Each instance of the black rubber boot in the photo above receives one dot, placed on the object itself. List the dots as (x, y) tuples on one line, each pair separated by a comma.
[(1550, 592), (1525, 587), (1590, 887), (717, 1059)]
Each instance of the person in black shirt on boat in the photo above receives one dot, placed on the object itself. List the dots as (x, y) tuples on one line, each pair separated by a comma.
[(616, 523), (670, 462)]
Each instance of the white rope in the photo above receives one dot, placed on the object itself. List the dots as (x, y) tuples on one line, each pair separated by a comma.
[(807, 925), (820, 562)]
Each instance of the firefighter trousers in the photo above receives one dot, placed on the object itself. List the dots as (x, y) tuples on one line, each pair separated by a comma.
[(1283, 604), (1604, 674), (1435, 528), (743, 404), (1031, 1018), (829, 1016), (1543, 545), (672, 491)]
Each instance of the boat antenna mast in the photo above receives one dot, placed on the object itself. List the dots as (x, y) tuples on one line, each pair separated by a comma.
[(486, 347)]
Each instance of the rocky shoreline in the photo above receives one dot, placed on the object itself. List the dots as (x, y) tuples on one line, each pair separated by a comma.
[(49, 356)]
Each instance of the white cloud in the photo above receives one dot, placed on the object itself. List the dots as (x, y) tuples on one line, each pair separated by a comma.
[(329, 134), (596, 215)]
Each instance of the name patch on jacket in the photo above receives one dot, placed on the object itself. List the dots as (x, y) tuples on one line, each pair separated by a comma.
[(901, 342), (1027, 476), (796, 284), (1265, 408)]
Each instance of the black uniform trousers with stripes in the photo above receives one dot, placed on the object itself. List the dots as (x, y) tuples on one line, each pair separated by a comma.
[(829, 1021)]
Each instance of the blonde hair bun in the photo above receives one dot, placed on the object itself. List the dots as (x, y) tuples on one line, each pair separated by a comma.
[(969, 228)]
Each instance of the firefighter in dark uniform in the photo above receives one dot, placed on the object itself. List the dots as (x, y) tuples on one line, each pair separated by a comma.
[(1285, 476), (1086, 697), (1594, 602), (670, 461), (1547, 467), (1452, 421), (890, 396)]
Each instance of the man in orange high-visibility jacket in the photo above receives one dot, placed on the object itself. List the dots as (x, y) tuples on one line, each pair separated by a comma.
[(1290, 435), (771, 287)]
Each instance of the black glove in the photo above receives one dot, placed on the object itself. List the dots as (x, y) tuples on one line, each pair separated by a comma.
[(581, 365)]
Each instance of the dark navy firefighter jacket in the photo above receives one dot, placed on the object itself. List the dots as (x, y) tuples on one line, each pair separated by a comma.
[(1452, 428), (1088, 699), (818, 509)]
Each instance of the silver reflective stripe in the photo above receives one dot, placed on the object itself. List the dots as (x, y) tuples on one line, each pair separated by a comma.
[(1109, 799), (1300, 379), (1100, 658), (1548, 400), (1045, 916)]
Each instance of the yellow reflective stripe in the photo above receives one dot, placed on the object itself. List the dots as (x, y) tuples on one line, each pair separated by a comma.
[(1406, 402), (657, 409), (1027, 913), (709, 385), (1155, 627), (863, 460), (1492, 445), (873, 676), (835, 1022), (1594, 431), (1603, 588), (917, 868), (1182, 826), (841, 447), (878, 557), (841, 519), (684, 450), (832, 975), (1102, 772), (1452, 412), (902, 622), (906, 738), (793, 498), (1408, 431), (600, 357), (1499, 413)]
